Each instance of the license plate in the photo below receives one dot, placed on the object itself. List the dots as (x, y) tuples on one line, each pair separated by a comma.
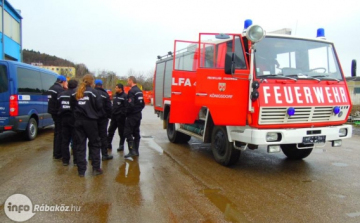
[(314, 139)]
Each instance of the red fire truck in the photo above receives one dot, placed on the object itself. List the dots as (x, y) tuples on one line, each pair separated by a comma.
[(240, 91)]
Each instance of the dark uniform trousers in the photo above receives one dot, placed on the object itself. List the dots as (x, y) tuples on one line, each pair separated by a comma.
[(87, 128), (132, 127), (117, 121), (102, 127), (67, 131), (57, 136)]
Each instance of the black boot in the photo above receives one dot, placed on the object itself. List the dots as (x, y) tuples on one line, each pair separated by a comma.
[(107, 157), (136, 147), (121, 148), (131, 150)]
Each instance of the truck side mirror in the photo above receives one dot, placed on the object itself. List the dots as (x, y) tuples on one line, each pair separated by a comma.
[(353, 68), (229, 63)]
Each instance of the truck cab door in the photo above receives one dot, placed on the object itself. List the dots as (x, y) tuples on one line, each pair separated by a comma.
[(183, 108), (226, 96)]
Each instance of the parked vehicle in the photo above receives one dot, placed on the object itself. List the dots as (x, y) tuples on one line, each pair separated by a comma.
[(239, 91), (23, 98)]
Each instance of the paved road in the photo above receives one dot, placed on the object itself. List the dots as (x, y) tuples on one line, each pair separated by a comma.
[(182, 183)]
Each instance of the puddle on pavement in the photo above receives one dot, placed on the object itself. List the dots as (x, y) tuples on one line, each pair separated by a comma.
[(42, 148), (129, 173), (99, 212), (150, 143), (225, 205), (353, 215), (308, 181), (320, 150), (147, 137), (340, 164), (339, 196)]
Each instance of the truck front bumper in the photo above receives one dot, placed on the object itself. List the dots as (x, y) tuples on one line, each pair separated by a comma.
[(286, 136)]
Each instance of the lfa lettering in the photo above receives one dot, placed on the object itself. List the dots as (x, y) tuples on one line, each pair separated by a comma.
[(182, 82)]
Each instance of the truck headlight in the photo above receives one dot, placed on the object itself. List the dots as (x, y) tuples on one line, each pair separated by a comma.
[(272, 136), (342, 132)]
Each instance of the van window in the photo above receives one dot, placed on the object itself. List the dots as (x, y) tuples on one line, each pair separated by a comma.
[(47, 81), (28, 81), (3, 79)]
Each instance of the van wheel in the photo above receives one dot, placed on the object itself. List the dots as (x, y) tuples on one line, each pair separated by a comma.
[(175, 136), (223, 150), (294, 153), (31, 130)]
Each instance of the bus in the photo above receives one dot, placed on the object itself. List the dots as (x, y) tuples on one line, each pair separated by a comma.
[(23, 98)]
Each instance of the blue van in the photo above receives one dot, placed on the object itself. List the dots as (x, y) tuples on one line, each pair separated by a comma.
[(23, 98)]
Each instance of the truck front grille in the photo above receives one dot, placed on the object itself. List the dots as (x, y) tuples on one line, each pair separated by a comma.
[(278, 115)]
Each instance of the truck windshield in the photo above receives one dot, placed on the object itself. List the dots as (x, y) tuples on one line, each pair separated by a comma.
[(3, 79), (277, 57)]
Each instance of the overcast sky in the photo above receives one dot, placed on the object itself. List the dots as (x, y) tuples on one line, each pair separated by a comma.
[(119, 35)]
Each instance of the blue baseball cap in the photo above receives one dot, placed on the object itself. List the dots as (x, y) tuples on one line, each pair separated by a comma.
[(62, 78), (98, 82)]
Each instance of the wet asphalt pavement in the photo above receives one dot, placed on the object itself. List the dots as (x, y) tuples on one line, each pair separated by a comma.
[(183, 183)]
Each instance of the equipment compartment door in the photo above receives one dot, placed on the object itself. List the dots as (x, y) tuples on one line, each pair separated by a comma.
[(183, 85)]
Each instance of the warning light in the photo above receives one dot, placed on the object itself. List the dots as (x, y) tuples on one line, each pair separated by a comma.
[(321, 33), (336, 110), (247, 23), (291, 111)]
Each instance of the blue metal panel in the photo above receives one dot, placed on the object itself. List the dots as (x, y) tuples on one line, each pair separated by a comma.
[(12, 48)]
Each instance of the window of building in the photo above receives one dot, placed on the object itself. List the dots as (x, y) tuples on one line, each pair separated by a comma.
[(12, 27), (356, 90)]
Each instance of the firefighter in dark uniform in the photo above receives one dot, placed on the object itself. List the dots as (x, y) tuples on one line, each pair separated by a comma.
[(103, 121), (118, 116), (134, 106), (87, 103), (66, 115), (59, 86)]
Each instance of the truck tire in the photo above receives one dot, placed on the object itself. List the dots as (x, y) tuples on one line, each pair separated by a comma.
[(223, 150), (31, 130), (294, 153), (175, 136)]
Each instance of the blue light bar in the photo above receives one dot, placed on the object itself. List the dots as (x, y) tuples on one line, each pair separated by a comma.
[(247, 23), (336, 110), (290, 111), (320, 33)]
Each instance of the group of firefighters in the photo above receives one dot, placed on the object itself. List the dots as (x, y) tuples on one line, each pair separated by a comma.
[(82, 111)]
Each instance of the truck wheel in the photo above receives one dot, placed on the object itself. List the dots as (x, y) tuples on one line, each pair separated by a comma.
[(223, 150), (175, 136), (294, 153), (31, 130)]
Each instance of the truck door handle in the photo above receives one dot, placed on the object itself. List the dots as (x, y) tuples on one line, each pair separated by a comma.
[(201, 94), (176, 93)]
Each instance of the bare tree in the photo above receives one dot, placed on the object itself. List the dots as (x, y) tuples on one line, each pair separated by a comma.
[(81, 70)]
